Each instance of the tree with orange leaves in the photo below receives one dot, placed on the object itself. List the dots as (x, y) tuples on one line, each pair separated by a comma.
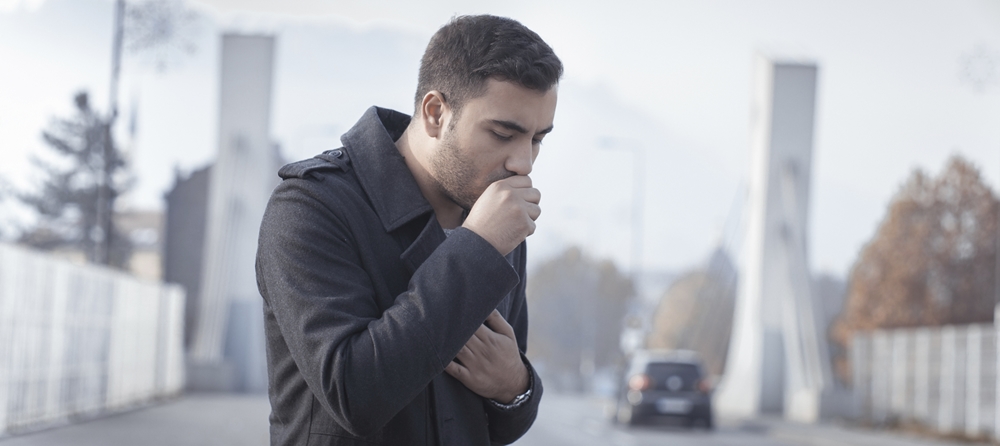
[(932, 262)]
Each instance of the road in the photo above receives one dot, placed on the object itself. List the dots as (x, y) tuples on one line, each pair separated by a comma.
[(581, 421), (213, 419)]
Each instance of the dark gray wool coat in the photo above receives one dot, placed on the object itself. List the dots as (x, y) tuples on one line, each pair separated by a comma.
[(366, 301)]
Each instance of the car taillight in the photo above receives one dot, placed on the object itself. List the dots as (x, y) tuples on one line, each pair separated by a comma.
[(704, 386), (639, 382)]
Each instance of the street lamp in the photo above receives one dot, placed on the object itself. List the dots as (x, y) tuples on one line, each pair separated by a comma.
[(636, 149), (633, 322)]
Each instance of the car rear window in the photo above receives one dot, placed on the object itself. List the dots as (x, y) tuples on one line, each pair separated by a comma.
[(661, 373)]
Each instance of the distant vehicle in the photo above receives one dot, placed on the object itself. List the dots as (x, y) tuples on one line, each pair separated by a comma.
[(663, 385)]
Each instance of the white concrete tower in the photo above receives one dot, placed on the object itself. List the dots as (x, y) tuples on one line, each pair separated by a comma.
[(228, 349), (778, 359)]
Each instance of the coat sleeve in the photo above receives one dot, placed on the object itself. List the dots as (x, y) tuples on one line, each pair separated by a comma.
[(506, 426), (364, 365)]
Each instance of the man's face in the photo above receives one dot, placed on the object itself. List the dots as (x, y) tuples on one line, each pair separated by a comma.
[(496, 135)]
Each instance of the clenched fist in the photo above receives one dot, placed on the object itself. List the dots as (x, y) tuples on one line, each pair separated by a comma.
[(505, 213)]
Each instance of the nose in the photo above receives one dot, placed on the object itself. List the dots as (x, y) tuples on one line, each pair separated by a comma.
[(519, 162)]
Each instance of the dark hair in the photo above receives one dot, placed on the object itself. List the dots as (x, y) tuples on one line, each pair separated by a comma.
[(467, 51)]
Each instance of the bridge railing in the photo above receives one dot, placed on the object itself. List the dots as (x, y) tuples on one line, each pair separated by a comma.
[(944, 378), (77, 341)]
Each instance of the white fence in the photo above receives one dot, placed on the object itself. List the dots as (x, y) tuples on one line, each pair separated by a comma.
[(76, 341), (942, 377)]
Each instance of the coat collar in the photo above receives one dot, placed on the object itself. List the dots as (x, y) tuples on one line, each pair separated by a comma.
[(381, 170)]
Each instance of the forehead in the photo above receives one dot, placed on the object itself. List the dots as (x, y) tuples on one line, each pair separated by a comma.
[(506, 101)]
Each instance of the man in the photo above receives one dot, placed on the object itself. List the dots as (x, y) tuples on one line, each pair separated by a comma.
[(393, 268)]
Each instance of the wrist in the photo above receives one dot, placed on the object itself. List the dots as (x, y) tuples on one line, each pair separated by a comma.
[(519, 386), (482, 235), (519, 399)]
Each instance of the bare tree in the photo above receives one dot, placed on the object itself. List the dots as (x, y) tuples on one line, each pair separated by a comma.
[(932, 260), (577, 306), (160, 32), (696, 313)]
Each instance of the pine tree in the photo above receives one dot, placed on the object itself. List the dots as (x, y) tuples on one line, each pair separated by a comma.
[(76, 201), (68, 202)]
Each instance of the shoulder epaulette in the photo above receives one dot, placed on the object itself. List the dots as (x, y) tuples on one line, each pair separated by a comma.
[(336, 159)]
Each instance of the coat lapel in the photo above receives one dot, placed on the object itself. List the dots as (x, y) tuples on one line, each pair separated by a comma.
[(424, 245)]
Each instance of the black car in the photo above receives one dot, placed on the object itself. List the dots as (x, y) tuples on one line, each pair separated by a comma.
[(665, 385)]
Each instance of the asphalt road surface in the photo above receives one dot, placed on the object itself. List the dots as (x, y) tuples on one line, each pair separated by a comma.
[(214, 419), (582, 421)]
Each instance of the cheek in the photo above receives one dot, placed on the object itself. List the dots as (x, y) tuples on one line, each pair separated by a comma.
[(487, 155)]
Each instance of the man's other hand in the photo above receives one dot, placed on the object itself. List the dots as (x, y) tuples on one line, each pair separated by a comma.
[(490, 363), (505, 213)]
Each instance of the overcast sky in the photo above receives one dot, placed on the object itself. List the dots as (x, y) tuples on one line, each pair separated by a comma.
[(671, 79)]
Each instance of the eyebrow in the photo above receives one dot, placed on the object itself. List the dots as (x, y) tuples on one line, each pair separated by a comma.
[(513, 126)]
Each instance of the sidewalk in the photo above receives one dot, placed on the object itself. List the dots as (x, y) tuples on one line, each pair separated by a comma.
[(837, 434), (224, 419), (192, 420)]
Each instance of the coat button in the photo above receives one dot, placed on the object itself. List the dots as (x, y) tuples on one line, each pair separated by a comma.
[(337, 153)]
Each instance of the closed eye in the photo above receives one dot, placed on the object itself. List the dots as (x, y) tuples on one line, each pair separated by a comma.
[(502, 137)]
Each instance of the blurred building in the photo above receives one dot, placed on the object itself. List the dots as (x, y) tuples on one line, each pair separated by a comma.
[(184, 234), (213, 221), (185, 222), (830, 295)]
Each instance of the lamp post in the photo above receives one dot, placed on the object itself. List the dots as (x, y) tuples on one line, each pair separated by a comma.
[(634, 322), (636, 150), (105, 209)]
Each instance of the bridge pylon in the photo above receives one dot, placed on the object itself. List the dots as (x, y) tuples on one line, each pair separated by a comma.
[(778, 359)]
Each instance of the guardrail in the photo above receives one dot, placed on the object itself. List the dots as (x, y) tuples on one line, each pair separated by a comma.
[(77, 341), (944, 378)]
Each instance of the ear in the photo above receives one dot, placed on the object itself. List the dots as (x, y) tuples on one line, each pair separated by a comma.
[(433, 110)]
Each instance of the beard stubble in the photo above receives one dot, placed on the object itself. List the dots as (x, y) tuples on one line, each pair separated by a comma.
[(455, 173)]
